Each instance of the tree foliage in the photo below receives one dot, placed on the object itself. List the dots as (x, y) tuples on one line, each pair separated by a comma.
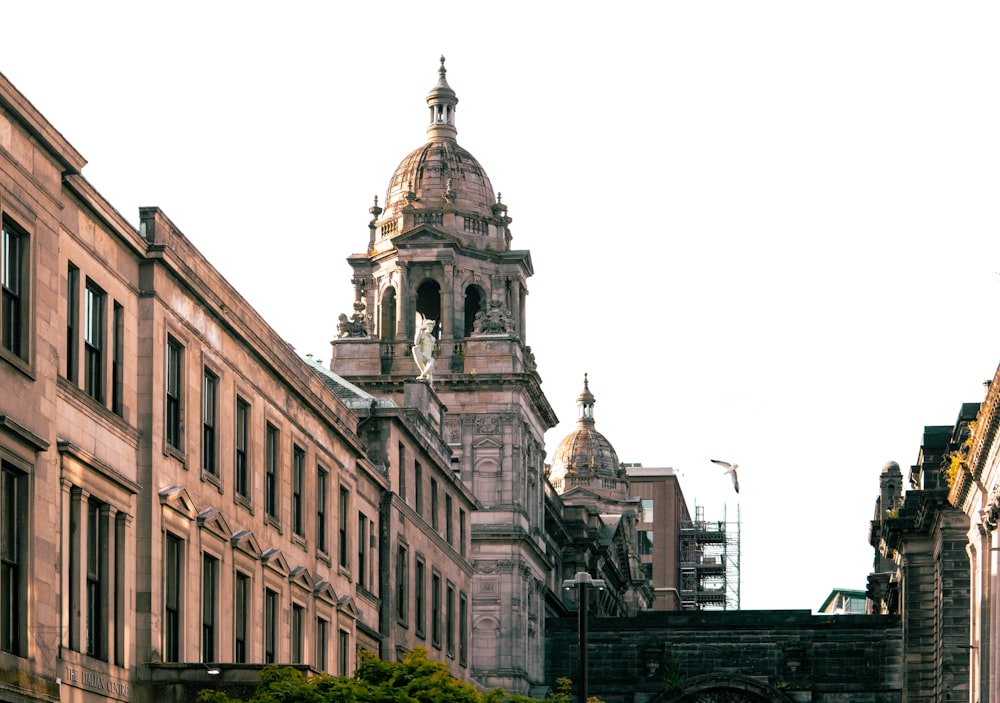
[(416, 679)]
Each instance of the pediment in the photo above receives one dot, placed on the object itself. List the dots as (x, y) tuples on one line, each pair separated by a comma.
[(423, 236), (275, 560), (324, 591), (299, 576), (578, 492), (244, 541), (212, 520), (177, 499), (346, 606), (487, 443)]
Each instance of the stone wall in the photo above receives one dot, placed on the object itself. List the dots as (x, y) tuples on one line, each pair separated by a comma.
[(782, 655)]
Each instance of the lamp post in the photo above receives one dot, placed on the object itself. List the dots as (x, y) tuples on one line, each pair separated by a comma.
[(584, 582)]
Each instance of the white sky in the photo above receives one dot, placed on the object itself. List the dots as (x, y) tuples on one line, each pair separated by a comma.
[(767, 230)]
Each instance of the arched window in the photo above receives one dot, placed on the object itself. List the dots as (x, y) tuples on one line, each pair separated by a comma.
[(387, 315), (474, 303), (429, 304)]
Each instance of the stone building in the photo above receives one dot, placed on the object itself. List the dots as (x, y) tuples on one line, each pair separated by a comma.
[(182, 497), (440, 254)]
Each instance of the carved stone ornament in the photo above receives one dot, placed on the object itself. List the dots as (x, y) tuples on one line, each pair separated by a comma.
[(487, 424), (495, 320), (453, 430)]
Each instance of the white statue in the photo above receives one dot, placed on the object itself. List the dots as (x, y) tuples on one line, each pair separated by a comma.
[(423, 350)]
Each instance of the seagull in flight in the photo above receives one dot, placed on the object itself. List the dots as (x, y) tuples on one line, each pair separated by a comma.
[(731, 470)]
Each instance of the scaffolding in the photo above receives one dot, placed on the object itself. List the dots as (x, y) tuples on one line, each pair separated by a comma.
[(710, 562)]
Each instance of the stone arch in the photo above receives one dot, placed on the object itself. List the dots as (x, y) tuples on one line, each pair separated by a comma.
[(484, 480), (387, 315), (722, 688), (486, 643), (428, 305), (475, 302)]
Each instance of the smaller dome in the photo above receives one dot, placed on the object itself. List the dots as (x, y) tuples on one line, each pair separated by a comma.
[(890, 467), (584, 452)]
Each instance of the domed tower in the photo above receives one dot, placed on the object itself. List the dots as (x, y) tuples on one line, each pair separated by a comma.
[(585, 458), (438, 249)]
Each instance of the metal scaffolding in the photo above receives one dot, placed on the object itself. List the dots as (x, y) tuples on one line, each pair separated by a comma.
[(710, 562)]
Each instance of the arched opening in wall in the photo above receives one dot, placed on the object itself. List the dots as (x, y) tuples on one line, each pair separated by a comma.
[(712, 688), (387, 315), (484, 480), (486, 637), (429, 304), (475, 301)]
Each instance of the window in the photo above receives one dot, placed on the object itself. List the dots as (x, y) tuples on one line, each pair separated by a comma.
[(242, 440), (298, 471), (463, 629), (344, 499), (118, 360), (175, 359), (418, 488), (461, 532), (448, 533), (14, 290), (13, 545), (645, 541), (436, 610), (320, 663), (270, 625), (449, 629), (298, 617), (402, 583), (241, 611), (97, 555), (647, 510), (434, 504), (209, 606), (271, 442), (172, 590), (344, 653), (321, 479), (402, 471), (93, 342), (209, 396), (72, 321), (362, 549), (420, 596)]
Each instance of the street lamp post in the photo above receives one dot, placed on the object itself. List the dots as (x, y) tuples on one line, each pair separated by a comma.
[(584, 582)]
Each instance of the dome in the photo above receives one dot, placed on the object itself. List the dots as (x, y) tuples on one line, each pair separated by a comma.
[(584, 452), (890, 467)]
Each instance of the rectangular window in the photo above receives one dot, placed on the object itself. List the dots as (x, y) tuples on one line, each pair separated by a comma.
[(344, 500), (13, 543), (436, 610), (175, 359), (321, 479), (242, 477), (402, 471), (209, 397), (645, 541), (321, 662), (173, 570), (298, 477), (434, 504), (647, 511), (420, 596), (449, 628), (118, 360), (344, 653), (298, 618), (209, 606), (95, 597), (72, 321), (463, 629), (418, 488), (461, 532), (270, 625), (14, 290), (93, 342), (241, 612), (362, 550), (448, 530), (402, 583), (271, 446)]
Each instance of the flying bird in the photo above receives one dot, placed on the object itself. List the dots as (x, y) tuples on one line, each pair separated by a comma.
[(731, 470)]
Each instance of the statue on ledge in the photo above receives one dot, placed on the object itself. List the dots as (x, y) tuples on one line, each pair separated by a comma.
[(423, 350)]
